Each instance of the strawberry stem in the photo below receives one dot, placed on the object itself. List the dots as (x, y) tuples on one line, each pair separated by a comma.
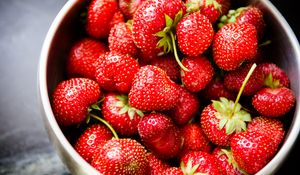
[(106, 124), (175, 53)]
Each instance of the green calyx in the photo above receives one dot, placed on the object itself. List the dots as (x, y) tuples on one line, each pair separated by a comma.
[(189, 169), (231, 16), (269, 81), (106, 124), (231, 161), (193, 6), (126, 108)]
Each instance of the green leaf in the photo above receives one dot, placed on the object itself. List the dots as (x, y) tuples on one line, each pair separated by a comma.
[(178, 17), (161, 34), (123, 110), (230, 127), (119, 104), (169, 21), (131, 113), (96, 107), (139, 112), (222, 123)]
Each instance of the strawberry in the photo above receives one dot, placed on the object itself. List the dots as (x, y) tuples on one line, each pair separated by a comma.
[(199, 162), (194, 34), (83, 57), (233, 80), (91, 139), (168, 64), (274, 102), (152, 90), (156, 165), (121, 156), (99, 16), (186, 108), (117, 18), (173, 171), (115, 71), (160, 135), (200, 73), (129, 7), (123, 118), (216, 89), (233, 44), (252, 150), (272, 128), (72, 98), (120, 40)]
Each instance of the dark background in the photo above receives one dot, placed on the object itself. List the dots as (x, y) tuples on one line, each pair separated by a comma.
[(24, 145)]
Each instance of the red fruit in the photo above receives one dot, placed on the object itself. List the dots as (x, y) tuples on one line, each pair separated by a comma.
[(233, 44), (199, 162), (252, 150), (123, 118), (233, 80), (115, 71), (186, 108), (156, 165), (226, 163), (194, 34), (116, 19), (99, 16), (121, 156), (120, 40), (129, 7), (173, 171), (91, 139), (160, 135), (83, 57), (153, 90), (72, 98), (274, 102), (272, 128), (216, 89), (199, 75)]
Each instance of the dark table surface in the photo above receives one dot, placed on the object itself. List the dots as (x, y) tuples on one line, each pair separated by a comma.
[(24, 145)]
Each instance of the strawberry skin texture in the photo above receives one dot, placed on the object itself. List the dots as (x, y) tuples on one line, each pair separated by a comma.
[(115, 71), (72, 98), (276, 72), (216, 89), (199, 75), (83, 57), (233, 44), (91, 139), (156, 165), (252, 150), (150, 19), (129, 7), (121, 156), (152, 90), (173, 171), (274, 102), (99, 16), (194, 34)]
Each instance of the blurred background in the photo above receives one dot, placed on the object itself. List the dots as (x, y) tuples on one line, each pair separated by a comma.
[(24, 145)]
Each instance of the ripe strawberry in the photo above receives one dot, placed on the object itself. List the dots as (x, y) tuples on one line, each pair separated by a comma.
[(153, 90), (120, 40), (199, 162), (123, 118), (129, 7), (199, 75), (91, 139), (160, 135), (272, 128), (226, 163), (274, 102), (233, 80), (72, 98), (233, 44), (83, 57), (252, 150), (115, 71), (194, 34), (173, 171), (156, 165), (117, 18), (121, 156), (99, 16), (216, 89), (186, 108)]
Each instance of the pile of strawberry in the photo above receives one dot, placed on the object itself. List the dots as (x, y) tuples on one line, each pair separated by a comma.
[(179, 88)]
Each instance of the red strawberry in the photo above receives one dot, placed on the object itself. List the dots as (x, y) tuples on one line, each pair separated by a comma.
[(194, 34), (233, 80), (194, 139), (252, 150), (156, 165), (272, 128), (91, 139), (120, 40), (168, 64), (216, 89), (199, 162), (99, 16), (123, 118), (226, 163), (72, 98), (274, 102), (160, 135), (233, 44), (117, 18), (153, 90), (200, 73), (129, 7), (115, 71), (186, 108), (121, 156), (173, 171), (83, 57)]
